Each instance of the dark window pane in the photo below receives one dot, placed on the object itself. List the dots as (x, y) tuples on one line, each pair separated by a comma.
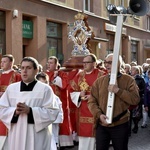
[(54, 40), (2, 33)]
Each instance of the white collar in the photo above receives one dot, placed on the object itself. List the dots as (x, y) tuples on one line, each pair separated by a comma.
[(28, 82), (7, 71), (89, 72)]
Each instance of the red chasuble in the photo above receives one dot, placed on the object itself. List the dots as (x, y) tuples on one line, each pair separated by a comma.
[(85, 120), (5, 80), (62, 93)]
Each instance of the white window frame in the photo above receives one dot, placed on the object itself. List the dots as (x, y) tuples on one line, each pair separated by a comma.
[(84, 4), (134, 50), (148, 23)]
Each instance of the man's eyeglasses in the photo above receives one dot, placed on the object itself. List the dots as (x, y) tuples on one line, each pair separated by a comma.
[(107, 62), (87, 62)]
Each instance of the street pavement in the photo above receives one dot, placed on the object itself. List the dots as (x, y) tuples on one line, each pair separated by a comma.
[(139, 141)]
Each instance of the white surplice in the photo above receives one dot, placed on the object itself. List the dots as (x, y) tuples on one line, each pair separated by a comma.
[(54, 127), (21, 135), (59, 119)]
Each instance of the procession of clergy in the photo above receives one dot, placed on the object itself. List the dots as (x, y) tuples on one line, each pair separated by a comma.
[(49, 110)]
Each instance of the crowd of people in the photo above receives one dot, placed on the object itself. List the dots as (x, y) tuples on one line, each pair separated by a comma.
[(56, 109)]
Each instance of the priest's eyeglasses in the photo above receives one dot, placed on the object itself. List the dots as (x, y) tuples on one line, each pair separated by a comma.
[(107, 62)]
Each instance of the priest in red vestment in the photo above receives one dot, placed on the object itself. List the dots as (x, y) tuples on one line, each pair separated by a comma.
[(7, 76), (81, 86)]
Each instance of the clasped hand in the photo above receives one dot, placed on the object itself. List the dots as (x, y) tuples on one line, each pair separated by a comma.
[(83, 95), (113, 88), (22, 108)]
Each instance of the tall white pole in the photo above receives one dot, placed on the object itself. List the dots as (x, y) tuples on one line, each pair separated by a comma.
[(114, 69)]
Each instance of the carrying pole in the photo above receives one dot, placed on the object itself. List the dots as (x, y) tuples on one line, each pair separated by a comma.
[(114, 69)]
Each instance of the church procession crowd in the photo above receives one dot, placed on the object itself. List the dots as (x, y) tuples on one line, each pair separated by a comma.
[(54, 109)]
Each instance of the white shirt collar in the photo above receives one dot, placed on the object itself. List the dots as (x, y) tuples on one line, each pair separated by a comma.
[(7, 71), (89, 72)]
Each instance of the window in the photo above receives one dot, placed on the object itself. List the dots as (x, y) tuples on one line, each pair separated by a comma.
[(54, 40), (107, 2), (124, 3), (87, 5), (2, 33), (121, 2), (134, 50), (110, 43), (148, 23)]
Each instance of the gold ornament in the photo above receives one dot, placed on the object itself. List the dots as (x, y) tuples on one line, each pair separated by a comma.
[(83, 85)]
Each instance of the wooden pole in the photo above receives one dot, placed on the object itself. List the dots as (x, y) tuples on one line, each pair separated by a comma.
[(114, 69)]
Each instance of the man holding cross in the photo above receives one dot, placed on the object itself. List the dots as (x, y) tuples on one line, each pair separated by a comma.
[(126, 94)]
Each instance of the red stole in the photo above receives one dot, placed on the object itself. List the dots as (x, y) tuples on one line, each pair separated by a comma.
[(72, 106)]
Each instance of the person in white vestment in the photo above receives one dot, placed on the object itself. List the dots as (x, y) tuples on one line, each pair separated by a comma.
[(27, 108), (54, 127)]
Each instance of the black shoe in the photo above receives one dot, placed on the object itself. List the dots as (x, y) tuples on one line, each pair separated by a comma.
[(144, 126), (135, 130)]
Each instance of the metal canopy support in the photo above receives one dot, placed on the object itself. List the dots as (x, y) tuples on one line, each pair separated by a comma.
[(114, 69)]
